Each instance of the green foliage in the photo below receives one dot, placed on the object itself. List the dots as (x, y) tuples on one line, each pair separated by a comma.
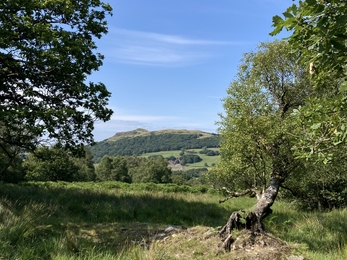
[(85, 165), (151, 170), (189, 177), (255, 128), (318, 33), (319, 37), (321, 186), (134, 169), (209, 152), (113, 168), (152, 143), (47, 50), (11, 167), (56, 164), (189, 158)]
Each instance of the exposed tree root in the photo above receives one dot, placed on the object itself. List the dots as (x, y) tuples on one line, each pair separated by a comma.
[(253, 221)]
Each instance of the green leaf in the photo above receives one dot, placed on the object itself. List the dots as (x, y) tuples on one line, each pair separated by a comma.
[(311, 2), (287, 14), (277, 22), (341, 19), (315, 126), (343, 87)]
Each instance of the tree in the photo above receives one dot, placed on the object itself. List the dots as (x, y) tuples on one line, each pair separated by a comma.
[(151, 170), (256, 156), (11, 168), (86, 169), (319, 37), (113, 168), (47, 51), (55, 164), (189, 158)]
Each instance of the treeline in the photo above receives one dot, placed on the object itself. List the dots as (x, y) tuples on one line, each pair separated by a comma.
[(133, 169), (56, 164), (48, 164), (153, 143)]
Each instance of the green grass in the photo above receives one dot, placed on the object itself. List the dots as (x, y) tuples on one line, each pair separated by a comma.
[(205, 159), (322, 235), (112, 220)]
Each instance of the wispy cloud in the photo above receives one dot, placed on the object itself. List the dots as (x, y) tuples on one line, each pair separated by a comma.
[(148, 48), (165, 38)]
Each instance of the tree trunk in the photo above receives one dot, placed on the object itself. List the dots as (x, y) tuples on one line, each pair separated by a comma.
[(254, 219)]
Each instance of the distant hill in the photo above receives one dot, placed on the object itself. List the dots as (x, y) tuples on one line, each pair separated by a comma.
[(141, 141)]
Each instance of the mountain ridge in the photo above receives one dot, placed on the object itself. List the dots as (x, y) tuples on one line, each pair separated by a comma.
[(139, 141), (144, 132)]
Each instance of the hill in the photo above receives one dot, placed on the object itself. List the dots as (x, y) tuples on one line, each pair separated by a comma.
[(140, 141)]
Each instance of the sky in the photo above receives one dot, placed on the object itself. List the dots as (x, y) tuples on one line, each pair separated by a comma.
[(168, 63)]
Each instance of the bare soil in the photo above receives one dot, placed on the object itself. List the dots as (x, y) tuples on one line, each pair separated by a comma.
[(178, 242)]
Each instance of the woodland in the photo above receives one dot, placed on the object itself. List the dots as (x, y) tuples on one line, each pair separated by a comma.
[(168, 141)]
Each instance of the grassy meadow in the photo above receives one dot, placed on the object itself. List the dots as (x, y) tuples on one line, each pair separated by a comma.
[(112, 220), (205, 159)]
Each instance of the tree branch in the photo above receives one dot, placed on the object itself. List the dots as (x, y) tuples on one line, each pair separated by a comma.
[(291, 191), (238, 194)]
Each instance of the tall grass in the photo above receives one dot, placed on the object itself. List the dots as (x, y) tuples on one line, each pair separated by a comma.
[(113, 220), (321, 235)]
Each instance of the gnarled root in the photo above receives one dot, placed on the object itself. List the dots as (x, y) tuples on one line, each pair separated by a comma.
[(234, 222), (252, 222)]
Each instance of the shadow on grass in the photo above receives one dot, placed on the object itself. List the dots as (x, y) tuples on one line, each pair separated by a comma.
[(320, 232), (85, 218)]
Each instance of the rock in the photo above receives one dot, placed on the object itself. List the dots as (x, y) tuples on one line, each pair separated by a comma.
[(172, 228), (294, 257)]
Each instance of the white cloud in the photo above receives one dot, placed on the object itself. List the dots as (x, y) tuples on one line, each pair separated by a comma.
[(149, 55), (166, 38), (148, 48)]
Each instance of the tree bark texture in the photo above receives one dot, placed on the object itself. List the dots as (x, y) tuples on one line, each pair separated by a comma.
[(254, 219)]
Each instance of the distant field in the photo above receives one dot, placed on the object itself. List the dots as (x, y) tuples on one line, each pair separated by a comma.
[(205, 159)]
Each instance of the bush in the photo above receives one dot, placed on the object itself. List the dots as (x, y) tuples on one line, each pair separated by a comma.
[(11, 170), (55, 164)]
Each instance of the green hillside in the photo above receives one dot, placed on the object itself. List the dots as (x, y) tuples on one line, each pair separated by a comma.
[(141, 141)]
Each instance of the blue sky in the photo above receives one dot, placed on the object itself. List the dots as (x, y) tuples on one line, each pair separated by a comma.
[(168, 63)]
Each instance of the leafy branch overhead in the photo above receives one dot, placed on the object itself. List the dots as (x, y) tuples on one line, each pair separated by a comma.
[(47, 51), (319, 37)]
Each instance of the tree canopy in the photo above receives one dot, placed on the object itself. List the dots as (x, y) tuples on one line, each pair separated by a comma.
[(47, 51), (255, 129), (319, 37)]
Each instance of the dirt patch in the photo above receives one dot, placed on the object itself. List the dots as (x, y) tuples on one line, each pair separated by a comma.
[(178, 242), (204, 243), (248, 246)]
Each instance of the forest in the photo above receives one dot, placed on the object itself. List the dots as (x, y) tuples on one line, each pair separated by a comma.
[(153, 143)]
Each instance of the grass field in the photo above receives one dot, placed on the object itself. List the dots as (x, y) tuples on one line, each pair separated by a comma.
[(205, 159), (114, 220)]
